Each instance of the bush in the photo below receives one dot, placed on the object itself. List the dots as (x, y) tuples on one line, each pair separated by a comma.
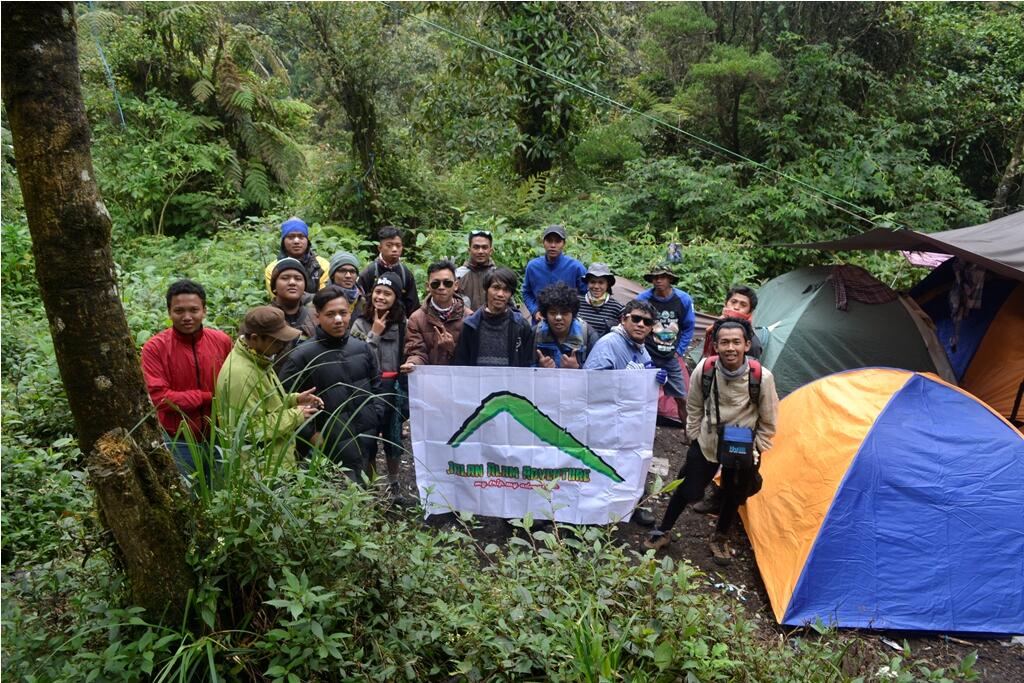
[(46, 500), (305, 578), (607, 147)]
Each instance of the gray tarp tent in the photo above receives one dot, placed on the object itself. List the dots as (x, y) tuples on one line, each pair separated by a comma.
[(997, 246)]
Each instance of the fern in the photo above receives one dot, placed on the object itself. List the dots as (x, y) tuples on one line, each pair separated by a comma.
[(257, 184), (244, 100), (201, 90)]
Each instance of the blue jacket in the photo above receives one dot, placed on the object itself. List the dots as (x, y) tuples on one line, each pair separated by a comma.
[(614, 351), (540, 274), (581, 340), (686, 325)]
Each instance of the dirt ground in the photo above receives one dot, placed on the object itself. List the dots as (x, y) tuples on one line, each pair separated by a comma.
[(998, 661)]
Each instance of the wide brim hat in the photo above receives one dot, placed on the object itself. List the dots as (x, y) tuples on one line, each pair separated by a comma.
[(661, 269), (597, 270), (268, 321)]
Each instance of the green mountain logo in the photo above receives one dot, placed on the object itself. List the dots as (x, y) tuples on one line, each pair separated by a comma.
[(540, 425)]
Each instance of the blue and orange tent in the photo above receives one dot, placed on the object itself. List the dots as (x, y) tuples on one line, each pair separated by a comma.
[(984, 348), (892, 500)]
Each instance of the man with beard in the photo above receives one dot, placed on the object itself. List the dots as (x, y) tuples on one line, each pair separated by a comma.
[(471, 274)]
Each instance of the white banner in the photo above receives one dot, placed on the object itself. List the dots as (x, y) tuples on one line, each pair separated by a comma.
[(484, 439)]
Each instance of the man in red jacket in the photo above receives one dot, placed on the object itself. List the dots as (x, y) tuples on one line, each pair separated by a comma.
[(180, 365)]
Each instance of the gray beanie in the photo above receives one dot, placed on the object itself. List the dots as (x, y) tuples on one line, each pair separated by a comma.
[(342, 258)]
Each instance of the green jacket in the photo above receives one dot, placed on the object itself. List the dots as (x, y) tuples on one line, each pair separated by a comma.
[(248, 390)]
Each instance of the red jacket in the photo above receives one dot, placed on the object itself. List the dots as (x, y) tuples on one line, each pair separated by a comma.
[(181, 372)]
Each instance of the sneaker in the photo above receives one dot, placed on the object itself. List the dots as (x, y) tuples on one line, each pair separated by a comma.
[(656, 540), (721, 553), (644, 517), (711, 503)]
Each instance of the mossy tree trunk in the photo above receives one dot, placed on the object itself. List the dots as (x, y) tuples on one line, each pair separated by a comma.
[(137, 486)]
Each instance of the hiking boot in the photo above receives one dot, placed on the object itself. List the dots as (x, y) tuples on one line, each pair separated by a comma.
[(721, 553), (644, 517), (399, 498), (711, 504), (657, 539)]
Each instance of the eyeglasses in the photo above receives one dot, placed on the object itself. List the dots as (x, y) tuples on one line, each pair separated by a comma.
[(641, 320), (434, 284), (348, 271), (479, 233)]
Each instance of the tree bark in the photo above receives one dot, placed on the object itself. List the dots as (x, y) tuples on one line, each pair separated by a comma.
[(1006, 184), (96, 354)]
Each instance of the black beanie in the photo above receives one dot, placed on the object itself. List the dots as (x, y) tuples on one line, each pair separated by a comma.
[(284, 264)]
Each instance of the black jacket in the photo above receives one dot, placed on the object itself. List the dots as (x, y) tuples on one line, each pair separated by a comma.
[(520, 341), (345, 374)]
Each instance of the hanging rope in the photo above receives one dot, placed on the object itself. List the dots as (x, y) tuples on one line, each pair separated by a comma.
[(858, 212), (106, 69)]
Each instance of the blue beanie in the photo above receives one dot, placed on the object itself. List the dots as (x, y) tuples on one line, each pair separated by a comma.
[(294, 224)]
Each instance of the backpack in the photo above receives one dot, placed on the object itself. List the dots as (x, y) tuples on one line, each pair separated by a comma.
[(708, 376)]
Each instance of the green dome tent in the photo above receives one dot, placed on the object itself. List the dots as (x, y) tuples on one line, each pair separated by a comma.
[(822, 319)]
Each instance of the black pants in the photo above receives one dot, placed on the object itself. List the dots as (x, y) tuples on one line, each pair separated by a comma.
[(696, 473)]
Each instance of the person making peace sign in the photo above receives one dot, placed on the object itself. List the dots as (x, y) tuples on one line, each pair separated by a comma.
[(382, 326)]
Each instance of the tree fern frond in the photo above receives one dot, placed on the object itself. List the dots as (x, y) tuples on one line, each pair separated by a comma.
[(244, 99), (257, 184), (201, 90), (233, 170), (101, 21)]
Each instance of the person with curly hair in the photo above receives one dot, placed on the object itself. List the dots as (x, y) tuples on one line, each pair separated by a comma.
[(560, 339)]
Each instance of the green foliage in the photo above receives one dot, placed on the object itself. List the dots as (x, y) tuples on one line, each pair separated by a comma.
[(159, 174), (209, 127), (554, 38), (46, 500), (303, 577), (607, 147)]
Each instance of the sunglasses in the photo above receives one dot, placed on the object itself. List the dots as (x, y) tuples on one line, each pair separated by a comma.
[(641, 320), (434, 284), (480, 233)]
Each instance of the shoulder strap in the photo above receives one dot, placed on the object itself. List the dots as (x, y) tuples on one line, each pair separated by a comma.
[(755, 381), (707, 376)]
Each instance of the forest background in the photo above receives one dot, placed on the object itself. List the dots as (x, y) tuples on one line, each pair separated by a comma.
[(738, 126)]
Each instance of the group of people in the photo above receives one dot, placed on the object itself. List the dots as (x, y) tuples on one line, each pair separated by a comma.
[(324, 365)]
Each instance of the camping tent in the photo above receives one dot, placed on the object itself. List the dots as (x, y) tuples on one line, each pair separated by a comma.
[(891, 500), (806, 334), (997, 246), (984, 348)]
